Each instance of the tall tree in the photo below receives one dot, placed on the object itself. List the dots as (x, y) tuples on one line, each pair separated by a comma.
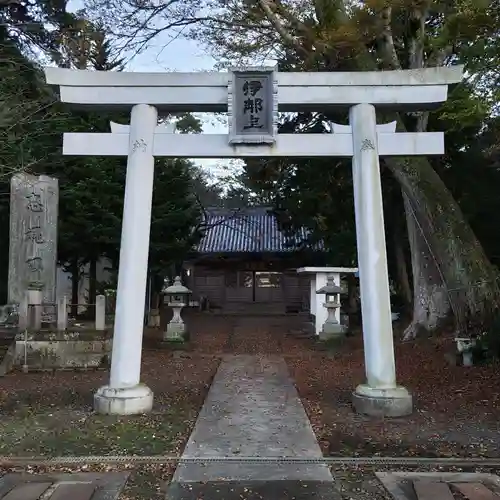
[(91, 188), (28, 117)]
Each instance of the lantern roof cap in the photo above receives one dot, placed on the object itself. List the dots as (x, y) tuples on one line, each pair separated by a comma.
[(330, 287), (177, 288)]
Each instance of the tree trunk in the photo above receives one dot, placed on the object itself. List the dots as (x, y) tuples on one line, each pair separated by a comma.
[(92, 287), (75, 284), (404, 288), (430, 303), (459, 258)]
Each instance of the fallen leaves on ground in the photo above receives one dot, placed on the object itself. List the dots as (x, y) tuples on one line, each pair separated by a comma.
[(51, 413), (456, 408)]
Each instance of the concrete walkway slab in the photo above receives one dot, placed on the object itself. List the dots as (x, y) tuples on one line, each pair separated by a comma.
[(253, 410)]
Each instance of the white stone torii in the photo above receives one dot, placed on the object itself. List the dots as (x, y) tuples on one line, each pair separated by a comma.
[(146, 94)]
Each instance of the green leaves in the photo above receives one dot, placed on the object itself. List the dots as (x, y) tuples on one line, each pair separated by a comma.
[(463, 110), (175, 214)]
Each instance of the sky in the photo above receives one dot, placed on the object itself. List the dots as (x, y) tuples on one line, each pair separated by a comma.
[(179, 55), (183, 56)]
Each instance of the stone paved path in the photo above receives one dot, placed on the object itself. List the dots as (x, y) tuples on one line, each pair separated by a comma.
[(440, 485), (253, 410), (57, 486)]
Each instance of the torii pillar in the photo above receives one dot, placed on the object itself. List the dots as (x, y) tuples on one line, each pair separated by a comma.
[(125, 395), (379, 395)]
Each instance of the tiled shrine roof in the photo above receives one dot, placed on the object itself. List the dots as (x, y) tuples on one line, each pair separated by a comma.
[(252, 230)]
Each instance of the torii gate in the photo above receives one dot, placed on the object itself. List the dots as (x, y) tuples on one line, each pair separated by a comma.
[(253, 97)]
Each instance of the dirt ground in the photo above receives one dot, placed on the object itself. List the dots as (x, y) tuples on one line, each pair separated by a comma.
[(457, 409)]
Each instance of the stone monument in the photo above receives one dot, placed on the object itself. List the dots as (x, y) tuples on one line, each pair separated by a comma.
[(34, 204)]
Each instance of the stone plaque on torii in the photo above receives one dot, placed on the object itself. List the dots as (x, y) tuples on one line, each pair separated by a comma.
[(254, 96)]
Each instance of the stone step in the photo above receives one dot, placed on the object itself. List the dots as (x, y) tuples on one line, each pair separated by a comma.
[(254, 490)]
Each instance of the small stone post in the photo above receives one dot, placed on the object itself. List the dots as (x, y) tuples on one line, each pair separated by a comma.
[(23, 313), (100, 312), (62, 313), (35, 296), (154, 318)]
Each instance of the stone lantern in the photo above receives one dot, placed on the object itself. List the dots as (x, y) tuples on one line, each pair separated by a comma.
[(176, 296), (332, 329)]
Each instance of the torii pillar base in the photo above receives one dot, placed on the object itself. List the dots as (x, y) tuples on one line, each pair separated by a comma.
[(396, 402), (125, 401)]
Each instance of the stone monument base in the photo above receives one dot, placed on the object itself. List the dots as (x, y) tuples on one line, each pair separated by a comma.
[(125, 401), (395, 402)]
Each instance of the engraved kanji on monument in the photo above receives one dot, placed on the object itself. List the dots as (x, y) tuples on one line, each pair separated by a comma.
[(253, 105), (33, 235)]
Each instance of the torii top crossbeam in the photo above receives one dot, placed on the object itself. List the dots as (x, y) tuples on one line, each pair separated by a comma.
[(418, 89)]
